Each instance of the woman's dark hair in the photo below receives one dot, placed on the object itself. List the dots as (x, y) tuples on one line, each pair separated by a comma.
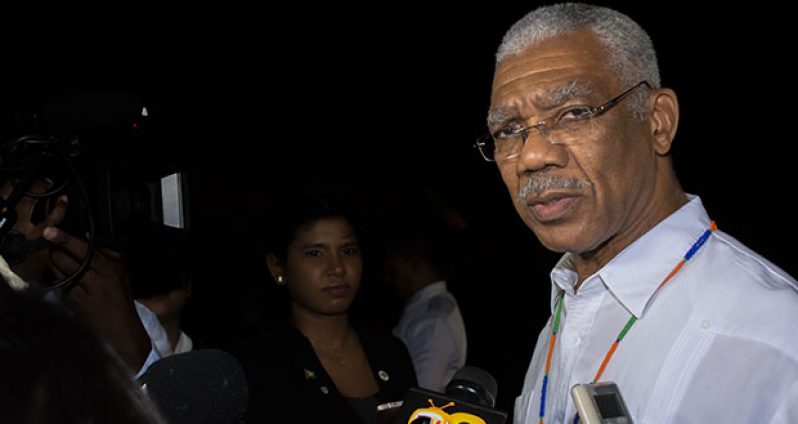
[(301, 208)]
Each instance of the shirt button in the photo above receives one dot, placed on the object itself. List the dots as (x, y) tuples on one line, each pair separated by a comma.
[(705, 324)]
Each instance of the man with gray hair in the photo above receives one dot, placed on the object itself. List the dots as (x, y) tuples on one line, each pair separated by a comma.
[(649, 294)]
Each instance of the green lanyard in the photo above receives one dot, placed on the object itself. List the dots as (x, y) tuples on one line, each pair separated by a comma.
[(558, 311)]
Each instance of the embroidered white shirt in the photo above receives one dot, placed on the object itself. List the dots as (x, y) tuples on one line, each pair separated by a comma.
[(718, 343)]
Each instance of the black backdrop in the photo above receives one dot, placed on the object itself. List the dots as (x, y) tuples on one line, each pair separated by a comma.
[(374, 100)]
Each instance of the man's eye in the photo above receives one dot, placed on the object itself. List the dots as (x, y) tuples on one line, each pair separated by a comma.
[(314, 253), (575, 113), (508, 131)]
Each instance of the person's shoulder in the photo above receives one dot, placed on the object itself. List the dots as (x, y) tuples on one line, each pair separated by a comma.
[(440, 313), (389, 357), (746, 297), (743, 266), (273, 361), (382, 346), (442, 305)]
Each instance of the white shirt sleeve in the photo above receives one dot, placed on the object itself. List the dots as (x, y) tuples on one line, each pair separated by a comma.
[(432, 347)]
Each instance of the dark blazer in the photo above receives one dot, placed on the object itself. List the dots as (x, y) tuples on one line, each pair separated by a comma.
[(288, 384)]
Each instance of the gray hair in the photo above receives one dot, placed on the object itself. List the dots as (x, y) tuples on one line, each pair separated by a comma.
[(630, 51)]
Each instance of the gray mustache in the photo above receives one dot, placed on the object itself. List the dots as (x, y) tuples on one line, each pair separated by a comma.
[(539, 184)]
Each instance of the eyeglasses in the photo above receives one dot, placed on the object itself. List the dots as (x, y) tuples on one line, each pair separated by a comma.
[(565, 126)]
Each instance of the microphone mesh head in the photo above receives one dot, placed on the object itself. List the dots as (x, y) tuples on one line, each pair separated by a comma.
[(477, 378), (201, 386)]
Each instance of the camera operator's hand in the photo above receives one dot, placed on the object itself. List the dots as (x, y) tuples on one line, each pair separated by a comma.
[(103, 295), (35, 265)]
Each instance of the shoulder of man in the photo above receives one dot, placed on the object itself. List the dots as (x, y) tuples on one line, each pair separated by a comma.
[(748, 297), (443, 305)]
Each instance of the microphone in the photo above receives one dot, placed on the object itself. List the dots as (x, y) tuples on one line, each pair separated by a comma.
[(201, 386), (470, 398), (475, 385)]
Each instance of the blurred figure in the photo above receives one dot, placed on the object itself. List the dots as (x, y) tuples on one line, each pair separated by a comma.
[(53, 370), (431, 325), (160, 282), (316, 366)]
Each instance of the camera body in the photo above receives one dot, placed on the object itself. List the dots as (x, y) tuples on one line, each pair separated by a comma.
[(121, 170), (132, 203)]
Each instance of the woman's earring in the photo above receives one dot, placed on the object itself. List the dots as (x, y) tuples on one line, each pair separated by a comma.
[(279, 278)]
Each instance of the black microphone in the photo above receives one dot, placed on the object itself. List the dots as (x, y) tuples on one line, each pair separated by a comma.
[(201, 386), (475, 385), (470, 397)]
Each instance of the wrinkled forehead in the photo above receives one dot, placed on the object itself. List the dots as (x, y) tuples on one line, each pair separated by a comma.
[(573, 65), (548, 97)]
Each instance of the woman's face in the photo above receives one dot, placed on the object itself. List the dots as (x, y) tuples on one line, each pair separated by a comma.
[(323, 267)]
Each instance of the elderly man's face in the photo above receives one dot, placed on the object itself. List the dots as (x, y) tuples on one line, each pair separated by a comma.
[(578, 196)]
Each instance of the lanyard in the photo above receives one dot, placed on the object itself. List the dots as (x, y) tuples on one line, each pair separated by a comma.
[(558, 311)]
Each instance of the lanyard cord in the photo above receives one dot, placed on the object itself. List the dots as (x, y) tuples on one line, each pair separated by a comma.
[(558, 311)]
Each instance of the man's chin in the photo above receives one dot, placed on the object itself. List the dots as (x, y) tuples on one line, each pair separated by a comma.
[(559, 239)]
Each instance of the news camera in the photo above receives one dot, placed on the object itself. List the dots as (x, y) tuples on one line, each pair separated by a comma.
[(126, 185)]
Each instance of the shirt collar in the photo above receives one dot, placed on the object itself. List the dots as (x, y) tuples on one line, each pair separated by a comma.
[(426, 293), (634, 274), (564, 278)]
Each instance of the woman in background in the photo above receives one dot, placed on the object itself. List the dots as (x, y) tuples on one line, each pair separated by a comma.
[(316, 366)]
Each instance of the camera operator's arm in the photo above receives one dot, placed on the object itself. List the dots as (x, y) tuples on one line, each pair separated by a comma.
[(103, 296), (112, 317)]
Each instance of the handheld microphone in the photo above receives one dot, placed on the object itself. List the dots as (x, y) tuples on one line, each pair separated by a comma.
[(475, 385), (201, 386), (470, 398), (599, 403)]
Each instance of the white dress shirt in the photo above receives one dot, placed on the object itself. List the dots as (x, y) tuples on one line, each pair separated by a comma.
[(717, 344), (160, 346), (184, 343), (432, 329)]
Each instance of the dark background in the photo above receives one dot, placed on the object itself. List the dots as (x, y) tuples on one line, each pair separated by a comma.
[(380, 100)]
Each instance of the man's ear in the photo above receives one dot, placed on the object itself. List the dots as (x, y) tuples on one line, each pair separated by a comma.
[(664, 107), (275, 268)]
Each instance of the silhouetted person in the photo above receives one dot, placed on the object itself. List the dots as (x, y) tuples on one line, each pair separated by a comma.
[(162, 284), (431, 325), (53, 370)]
